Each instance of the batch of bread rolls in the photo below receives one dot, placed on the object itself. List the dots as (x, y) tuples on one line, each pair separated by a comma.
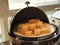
[(33, 27)]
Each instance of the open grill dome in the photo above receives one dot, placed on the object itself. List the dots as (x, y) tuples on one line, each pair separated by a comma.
[(26, 14)]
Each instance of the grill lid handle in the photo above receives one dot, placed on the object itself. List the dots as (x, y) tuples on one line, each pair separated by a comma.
[(27, 3)]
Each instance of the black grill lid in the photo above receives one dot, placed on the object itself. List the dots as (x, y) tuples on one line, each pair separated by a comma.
[(26, 14)]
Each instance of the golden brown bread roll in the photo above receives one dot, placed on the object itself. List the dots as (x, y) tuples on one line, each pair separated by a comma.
[(37, 31), (23, 27), (28, 33), (32, 26), (34, 21)]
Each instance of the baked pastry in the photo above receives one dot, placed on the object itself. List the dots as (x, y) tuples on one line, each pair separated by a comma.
[(34, 27)]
